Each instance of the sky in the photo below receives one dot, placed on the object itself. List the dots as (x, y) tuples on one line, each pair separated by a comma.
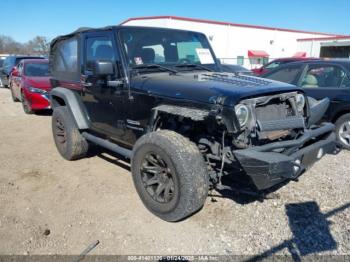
[(25, 19)]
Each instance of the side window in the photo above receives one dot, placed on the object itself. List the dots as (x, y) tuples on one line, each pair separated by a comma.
[(8, 64), (286, 74), (66, 57), (345, 82), (98, 48), (323, 76), (187, 50), (158, 51)]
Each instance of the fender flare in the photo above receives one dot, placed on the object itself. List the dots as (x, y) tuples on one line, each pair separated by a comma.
[(73, 103)]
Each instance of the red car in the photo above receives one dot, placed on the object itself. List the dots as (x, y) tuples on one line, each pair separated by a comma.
[(278, 62), (30, 84)]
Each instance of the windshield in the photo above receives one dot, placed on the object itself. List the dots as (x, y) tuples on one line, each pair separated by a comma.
[(9, 62), (167, 48), (347, 65), (273, 65), (38, 69)]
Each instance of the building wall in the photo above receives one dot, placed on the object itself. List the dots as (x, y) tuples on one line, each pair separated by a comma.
[(313, 46), (230, 41)]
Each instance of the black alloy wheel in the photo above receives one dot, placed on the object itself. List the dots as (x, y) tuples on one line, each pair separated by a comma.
[(157, 178)]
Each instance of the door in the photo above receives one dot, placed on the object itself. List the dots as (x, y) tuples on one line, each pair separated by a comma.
[(103, 102), (327, 80)]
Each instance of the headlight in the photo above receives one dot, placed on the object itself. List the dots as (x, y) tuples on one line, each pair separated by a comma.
[(36, 90), (242, 113), (300, 101)]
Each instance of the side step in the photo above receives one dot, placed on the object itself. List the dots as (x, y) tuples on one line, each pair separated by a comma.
[(109, 145)]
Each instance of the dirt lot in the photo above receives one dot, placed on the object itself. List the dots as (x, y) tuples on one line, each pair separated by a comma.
[(52, 206)]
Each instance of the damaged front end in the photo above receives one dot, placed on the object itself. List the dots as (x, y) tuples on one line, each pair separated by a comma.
[(273, 163), (277, 139)]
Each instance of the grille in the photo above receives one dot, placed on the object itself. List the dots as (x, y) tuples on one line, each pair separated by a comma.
[(278, 116), (273, 111), (282, 124)]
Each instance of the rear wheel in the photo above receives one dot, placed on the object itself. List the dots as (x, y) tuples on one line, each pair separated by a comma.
[(343, 130), (26, 105), (169, 174), (69, 142)]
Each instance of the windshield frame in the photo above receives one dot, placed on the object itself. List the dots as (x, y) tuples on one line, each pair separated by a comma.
[(215, 66)]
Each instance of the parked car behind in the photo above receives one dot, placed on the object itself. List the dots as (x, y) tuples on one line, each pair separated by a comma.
[(278, 62), (31, 84), (238, 69), (9, 63), (320, 79), (2, 59)]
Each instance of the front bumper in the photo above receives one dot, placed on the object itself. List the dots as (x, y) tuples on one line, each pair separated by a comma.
[(267, 168), (38, 101)]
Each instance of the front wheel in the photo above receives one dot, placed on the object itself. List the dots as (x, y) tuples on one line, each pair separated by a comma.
[(26, 105), (14, 98), (342, 127), (169, 174)]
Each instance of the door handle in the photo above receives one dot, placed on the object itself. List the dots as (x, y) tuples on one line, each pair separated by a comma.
[(86, 84), (117, 92), (115, 83)]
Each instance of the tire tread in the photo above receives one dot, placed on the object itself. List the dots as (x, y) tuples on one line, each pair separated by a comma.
[(190, 166)]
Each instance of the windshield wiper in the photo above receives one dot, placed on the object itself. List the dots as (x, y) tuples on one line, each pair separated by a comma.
[(194, 66), (151, 66)]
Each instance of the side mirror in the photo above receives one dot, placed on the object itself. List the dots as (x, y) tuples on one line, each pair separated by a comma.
[(103, 68), (15, 72)]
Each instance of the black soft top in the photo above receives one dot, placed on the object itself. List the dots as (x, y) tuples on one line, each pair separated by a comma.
[(81, 30)]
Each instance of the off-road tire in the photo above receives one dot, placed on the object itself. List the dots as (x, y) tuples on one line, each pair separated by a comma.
[(14, 99), (187, 166), (338, 124), (68, 139)]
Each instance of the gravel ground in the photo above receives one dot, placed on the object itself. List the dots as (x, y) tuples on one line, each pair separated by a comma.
[(52, 206)]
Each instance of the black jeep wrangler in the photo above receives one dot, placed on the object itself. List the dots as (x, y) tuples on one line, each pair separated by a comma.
[(159, 97)]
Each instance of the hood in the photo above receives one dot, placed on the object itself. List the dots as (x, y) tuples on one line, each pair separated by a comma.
[(209, 87), (39, 82)]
